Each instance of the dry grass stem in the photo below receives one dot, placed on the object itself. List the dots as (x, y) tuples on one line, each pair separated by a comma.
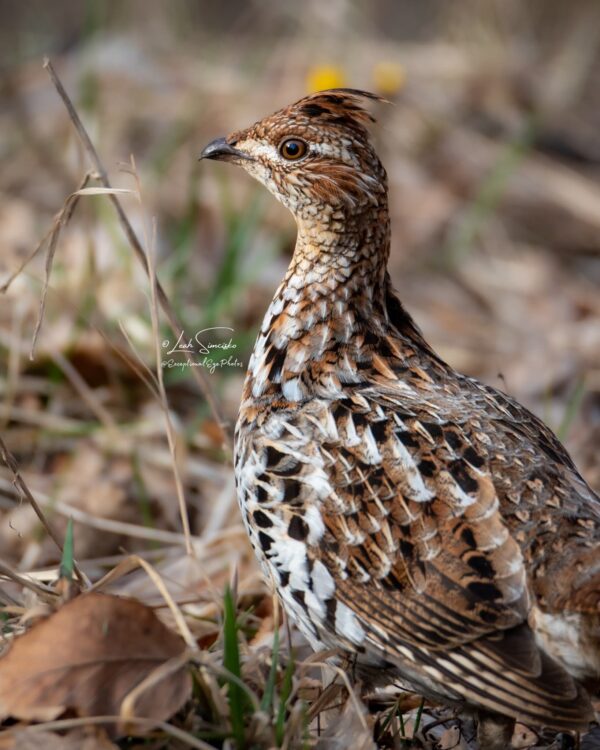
[(24, 263), (135, 561), (163, 300), (347, 684), (86, 393), (159, 379), (144, 373), (60, 221), (145, 724), (46, 594), (207, 663)]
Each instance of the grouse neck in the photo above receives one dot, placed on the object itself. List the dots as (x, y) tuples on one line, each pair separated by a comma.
[(340, 257), (333, 294)]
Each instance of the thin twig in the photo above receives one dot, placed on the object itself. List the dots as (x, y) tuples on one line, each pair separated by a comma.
[(41, 590), (23, 489), (175, 324)]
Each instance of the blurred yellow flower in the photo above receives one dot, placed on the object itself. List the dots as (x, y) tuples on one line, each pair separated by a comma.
[(325, 77), (389, 77)]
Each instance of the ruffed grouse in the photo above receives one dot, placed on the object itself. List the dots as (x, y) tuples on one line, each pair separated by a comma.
[(414, 518)]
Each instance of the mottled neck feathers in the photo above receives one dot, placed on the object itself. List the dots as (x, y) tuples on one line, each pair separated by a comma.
[(334, 316)]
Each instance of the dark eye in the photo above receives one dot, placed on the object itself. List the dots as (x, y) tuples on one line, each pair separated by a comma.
[(292, 149)]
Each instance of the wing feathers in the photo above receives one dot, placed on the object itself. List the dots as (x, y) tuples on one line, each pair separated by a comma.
[(479, 671)]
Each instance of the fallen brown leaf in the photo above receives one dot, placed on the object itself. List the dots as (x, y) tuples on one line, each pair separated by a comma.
[(87, 657)]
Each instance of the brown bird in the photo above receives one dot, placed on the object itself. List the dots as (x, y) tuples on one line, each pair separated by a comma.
[(415, 519)]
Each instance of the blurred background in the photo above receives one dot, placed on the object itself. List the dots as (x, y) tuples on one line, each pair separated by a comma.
[(492, 145)]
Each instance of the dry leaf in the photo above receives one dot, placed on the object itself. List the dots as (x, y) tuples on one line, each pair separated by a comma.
[(87, 657)]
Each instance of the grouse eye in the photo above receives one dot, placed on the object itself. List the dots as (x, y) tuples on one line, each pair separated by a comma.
[(292, 149)]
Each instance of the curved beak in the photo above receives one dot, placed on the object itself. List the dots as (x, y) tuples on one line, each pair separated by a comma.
[(221, 150)]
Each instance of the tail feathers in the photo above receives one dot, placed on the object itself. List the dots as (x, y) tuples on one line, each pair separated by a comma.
[(508, 674)]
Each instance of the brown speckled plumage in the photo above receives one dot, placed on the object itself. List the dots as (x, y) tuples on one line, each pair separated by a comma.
[(406, 514)]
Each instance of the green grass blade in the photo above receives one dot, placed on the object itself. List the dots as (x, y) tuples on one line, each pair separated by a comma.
[(418, 717), (286, 691), (231, 661), (400, 715), (66, 563), (387, 721)]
